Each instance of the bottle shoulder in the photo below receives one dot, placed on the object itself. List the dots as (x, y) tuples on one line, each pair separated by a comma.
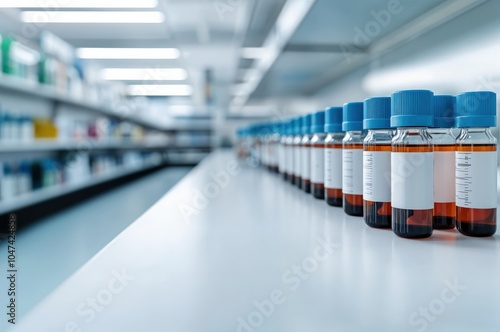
[(378, 138), (469, 136), (412, 136)]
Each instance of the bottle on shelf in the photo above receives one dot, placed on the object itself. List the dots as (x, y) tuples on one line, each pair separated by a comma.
[(274, 142), (318, 155), (306, 153), (289, 151), (27, 129), (412, 164), (476, 164), (377, 162), (444, 161), (282, 166), (333, 156), (352, 158), (23, 178), (8, 186), (297, 145)]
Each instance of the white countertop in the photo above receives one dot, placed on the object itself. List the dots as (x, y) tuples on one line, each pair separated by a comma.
[(239, 249)]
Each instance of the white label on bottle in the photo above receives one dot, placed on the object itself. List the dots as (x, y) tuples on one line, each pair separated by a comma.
[(275, 154), (297, 153), (333, 168), (412, 179), (289, 159), (352, 171), (317, 165), (376, 185), (476, 174), (282, 158), (306, 163), (444, 176)]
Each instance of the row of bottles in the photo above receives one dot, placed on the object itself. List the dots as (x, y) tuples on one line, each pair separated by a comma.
[(395, 160), (18, 178)]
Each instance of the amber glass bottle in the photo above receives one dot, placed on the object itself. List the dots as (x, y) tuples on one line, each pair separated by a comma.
[(476, 164), (306, 153), (289, 151), (377, 162), (412, 164), (297, 152), (444, 162), (282, 168), (333, 156), (318, 155), (352, 159)]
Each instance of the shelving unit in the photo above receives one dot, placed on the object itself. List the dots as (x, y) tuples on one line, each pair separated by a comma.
[(46, 194), (173, 153), (90, 144), (17, 85)]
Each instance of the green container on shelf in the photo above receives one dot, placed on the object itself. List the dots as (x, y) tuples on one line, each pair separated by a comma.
[(43, 73), (7, 65)]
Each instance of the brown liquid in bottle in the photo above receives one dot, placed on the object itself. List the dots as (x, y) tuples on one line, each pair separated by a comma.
[(476, 222), (378, 214), (444, 213), (412, 223), (318, 189), (353, 204), (306, 183), (334, 196)]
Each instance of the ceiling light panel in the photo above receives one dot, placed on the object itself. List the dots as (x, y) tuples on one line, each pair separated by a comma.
[(129, 17), (129, 53), (144, 74), (79, 4), (168, 90)]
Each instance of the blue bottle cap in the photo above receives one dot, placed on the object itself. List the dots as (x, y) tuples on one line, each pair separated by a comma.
[(318, 122), (333, 119), (306, 124), (352, 116), (290, 127), (269, 128), (276, 128), (298, 125), (412, 108), (377, 113), (444, 111), (476, 109), (283, 128)]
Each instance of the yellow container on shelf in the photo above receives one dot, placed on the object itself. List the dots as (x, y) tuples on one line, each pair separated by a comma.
[(45, 129)]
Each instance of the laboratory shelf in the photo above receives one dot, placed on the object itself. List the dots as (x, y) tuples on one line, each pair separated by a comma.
[(39, 196), (21, 86), (235, 248), (92, 144)]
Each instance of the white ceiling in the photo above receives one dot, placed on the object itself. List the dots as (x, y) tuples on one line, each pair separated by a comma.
[(210, 34)]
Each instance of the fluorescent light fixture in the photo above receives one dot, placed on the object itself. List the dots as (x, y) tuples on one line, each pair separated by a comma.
[(144, 74), (160, 90), (79, 4), (290, 18), (45, 17), (253, 52), (129, 53)]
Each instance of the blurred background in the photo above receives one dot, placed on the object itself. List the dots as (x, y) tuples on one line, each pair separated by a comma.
[(94, 93)]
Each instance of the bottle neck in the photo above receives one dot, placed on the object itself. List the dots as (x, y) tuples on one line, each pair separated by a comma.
[(440, 130), (381, 131), (478, 135), (477, 130)]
